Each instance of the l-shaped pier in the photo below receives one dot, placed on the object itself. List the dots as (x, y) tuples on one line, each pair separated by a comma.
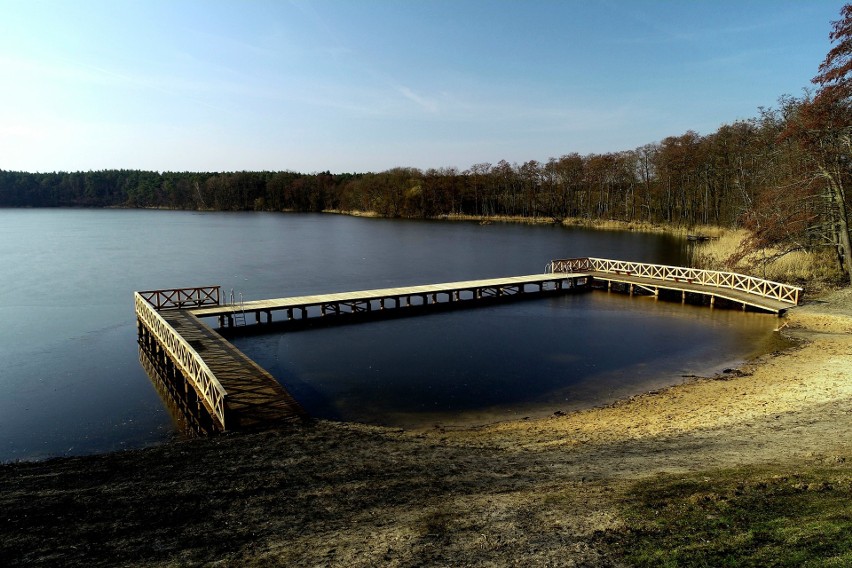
[(213, 377)]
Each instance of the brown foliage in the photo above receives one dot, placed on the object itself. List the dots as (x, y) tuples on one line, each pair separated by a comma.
[(835, 72)]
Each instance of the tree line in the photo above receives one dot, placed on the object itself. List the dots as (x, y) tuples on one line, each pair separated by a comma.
[(781, 174), (683, 180)]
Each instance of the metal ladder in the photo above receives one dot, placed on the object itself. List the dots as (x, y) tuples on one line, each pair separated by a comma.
[(238, 314)]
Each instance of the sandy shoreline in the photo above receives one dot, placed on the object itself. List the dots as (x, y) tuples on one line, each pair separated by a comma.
[(529, 492)]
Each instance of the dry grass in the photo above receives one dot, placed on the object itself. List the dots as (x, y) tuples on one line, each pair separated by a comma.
[(712, 231), (598, 224), (616, 225), (353, 213), (812, 269), (487, 219)]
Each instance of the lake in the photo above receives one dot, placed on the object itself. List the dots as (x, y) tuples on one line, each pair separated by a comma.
[(72, 383)]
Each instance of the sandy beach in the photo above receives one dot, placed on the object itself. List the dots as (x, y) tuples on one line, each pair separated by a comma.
[(532, 492)]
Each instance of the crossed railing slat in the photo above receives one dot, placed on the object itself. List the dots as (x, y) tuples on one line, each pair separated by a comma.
[(189, 361), (179, 298), (730, 280)]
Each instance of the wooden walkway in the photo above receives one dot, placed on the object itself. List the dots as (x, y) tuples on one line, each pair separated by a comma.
[(239, 394), (652, 286), (302, 308), (758, 293), (255, 398), (235, 391)]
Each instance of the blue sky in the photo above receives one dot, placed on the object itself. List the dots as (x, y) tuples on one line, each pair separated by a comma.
[(367, 85)]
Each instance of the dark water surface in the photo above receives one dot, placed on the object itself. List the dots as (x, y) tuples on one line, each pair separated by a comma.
[(71, 381), (526, 359)]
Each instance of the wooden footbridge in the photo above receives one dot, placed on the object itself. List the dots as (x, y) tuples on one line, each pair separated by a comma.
[(640, 277), (213, 377)]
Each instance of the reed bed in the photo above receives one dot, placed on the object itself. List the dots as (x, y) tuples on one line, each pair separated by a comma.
[(812, 269)]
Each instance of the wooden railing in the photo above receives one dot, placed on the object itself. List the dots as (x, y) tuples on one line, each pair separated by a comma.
[(179, 298), (185, 357), (729, 280)]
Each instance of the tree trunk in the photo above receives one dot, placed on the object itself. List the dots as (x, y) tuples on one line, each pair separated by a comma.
[(843, 230), (837, 198)]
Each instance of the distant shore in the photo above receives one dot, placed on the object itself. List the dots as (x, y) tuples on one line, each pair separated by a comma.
[(600, 224), (521, 492)]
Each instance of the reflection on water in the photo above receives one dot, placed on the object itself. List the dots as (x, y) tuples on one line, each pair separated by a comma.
[(185, 408), (71, 377)]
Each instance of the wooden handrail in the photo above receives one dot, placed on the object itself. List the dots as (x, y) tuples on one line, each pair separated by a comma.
[(185, 357), (714, 278), (569, 265), (179, 298)]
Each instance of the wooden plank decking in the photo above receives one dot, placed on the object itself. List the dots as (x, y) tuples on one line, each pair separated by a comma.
[(406, 296), (254, 398)]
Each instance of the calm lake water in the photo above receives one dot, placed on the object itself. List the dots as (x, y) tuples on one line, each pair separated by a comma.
[(71, 381)]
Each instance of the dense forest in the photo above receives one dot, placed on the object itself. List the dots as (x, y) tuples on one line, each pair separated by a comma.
[(781, 174)]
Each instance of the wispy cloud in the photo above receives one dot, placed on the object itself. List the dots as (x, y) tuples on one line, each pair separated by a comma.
[(663, 32), (426, 104), (61, 76)]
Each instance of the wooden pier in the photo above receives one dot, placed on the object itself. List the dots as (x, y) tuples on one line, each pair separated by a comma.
[(206, 373), (639, 277), (232, 389), (390, 302)]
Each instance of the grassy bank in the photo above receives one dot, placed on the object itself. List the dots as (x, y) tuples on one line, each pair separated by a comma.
[(749, 516)]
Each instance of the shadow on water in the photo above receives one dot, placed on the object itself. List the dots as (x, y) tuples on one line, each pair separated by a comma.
[(188, 414), (374, 315)]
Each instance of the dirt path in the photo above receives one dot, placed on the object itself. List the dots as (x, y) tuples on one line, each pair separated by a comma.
[(525, 493)]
